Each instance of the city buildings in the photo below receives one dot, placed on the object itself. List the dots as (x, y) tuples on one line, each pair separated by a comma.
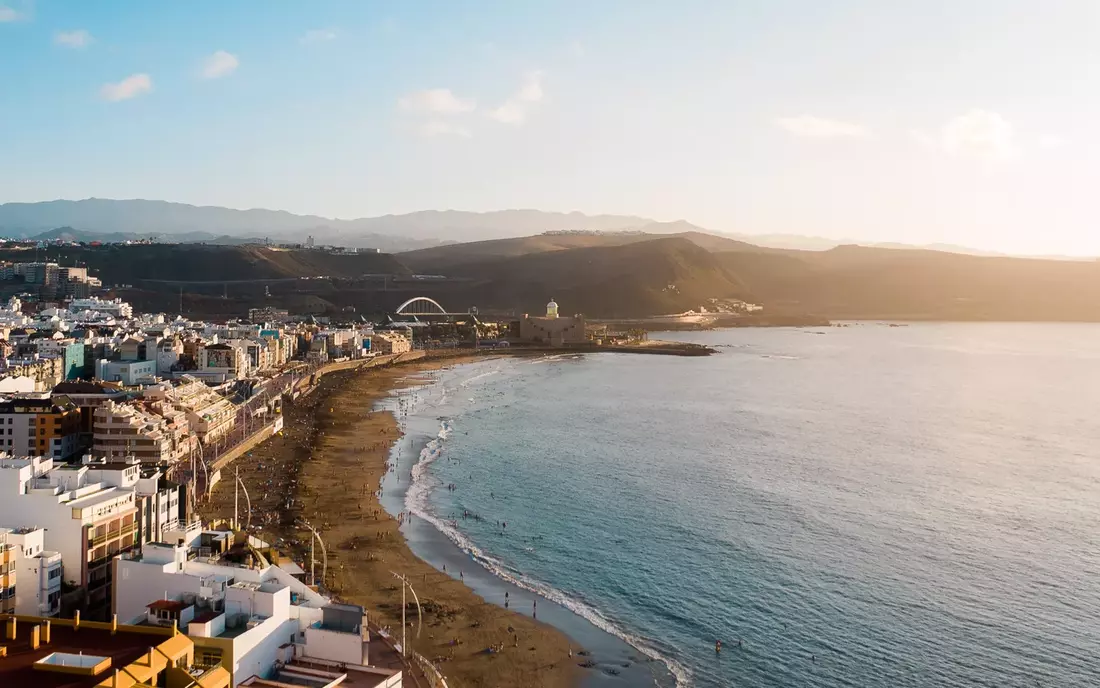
[(255, 621), (211, 415), (38, 424), (69, 350), (138, 430), (45, 371), (88, 519)]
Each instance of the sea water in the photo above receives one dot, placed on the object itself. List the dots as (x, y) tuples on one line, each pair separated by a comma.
[(863, 506)]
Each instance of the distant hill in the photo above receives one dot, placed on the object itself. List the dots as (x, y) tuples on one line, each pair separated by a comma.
[(858, 282), (97, 219), (119, 264), (447, 258), (654, 276)]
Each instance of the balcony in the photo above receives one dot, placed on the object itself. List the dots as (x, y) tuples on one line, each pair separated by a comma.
[(98, 540)]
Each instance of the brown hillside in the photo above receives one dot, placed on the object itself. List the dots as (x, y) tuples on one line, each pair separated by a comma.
[(858, 282), (665, 275)]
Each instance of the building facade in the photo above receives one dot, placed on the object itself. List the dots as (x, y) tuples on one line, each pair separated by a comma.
[(553, 330), (38, 425)]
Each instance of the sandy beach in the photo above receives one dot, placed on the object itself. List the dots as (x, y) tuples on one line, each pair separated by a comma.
[(326, 467)]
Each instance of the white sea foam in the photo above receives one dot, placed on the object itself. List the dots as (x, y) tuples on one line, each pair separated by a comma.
[(417, 502), (479, 376)]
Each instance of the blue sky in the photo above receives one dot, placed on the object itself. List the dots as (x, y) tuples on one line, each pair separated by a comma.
[(973, 122)]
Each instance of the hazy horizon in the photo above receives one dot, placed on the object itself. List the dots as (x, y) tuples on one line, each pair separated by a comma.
[(853, 121), (777, 239)]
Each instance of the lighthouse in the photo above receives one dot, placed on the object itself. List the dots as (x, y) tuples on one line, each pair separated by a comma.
[(552, 309)]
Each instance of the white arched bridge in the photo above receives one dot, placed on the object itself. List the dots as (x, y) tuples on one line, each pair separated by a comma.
[(423, 306)]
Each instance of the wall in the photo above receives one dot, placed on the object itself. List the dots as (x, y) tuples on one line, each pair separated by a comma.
[(335, 646), (210, 629), (255, 651), (137, 584), (64, 534)]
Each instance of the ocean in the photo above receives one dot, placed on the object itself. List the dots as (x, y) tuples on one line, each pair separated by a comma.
[(865, 506)]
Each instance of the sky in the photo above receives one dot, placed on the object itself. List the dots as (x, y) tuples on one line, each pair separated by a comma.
[(972, 122)]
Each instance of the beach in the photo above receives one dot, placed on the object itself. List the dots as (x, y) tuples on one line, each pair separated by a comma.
[(326, 467)]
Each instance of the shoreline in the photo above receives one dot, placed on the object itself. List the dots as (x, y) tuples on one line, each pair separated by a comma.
[(329, 466), (614, 660)]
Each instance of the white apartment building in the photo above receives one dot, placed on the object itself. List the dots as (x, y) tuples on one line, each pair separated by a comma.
[(115, 307), (251, 620), (158, 499), (37, 570), (86, 521)]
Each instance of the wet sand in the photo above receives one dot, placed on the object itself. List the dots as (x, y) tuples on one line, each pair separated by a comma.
[(327, 467)]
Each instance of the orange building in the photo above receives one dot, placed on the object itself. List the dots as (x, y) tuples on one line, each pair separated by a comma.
[(37, 425)]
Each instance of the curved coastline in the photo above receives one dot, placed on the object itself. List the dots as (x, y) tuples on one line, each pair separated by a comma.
[(613, 649), (326, 467)]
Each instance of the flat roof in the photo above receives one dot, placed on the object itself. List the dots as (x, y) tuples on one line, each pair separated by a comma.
[(99, 497), (167, 605), (17, 669)]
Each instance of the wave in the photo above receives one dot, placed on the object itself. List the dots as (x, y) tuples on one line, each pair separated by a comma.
[(474, 378), (417, 502)]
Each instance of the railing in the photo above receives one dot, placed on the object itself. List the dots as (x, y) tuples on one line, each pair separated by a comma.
[(98, 540), (435, 678)]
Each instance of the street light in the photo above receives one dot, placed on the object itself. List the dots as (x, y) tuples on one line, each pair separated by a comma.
[(237, 475), (419, 612), (312, 560)]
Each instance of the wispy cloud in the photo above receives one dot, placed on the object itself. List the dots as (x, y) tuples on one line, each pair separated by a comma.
[(516, 109), (8, 14), (436, 101), (317, 36), (219, 64), (73, 39), (977, 134), (437, 127), (810, 126), (130, 87)]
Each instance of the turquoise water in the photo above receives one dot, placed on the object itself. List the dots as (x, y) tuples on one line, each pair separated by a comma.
[(862, 506)]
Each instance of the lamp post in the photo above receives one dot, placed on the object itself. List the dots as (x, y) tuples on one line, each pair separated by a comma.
[(237, 476), (312, 561), (419, 612)]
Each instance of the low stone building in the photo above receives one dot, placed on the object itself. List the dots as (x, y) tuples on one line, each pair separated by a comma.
[(552, 329)]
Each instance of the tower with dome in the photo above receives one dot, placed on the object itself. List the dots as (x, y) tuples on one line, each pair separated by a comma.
[(552, 329)]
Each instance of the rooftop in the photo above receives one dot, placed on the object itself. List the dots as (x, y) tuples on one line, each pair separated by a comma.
[(100, 497), (17, 669), (167, 605)]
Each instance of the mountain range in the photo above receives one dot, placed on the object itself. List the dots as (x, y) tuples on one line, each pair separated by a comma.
[(109, 221)]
